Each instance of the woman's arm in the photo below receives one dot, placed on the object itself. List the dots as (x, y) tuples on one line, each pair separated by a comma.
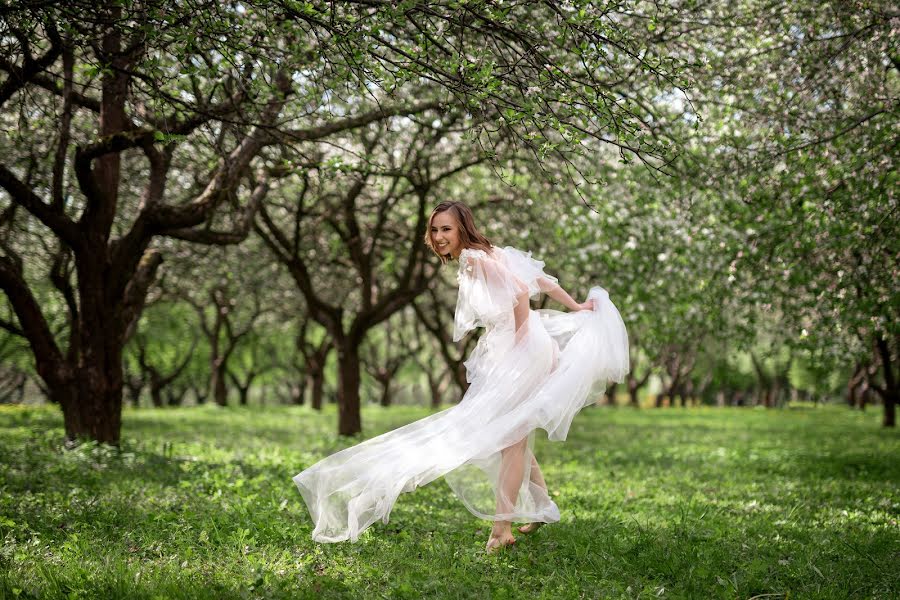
[(553, 290)]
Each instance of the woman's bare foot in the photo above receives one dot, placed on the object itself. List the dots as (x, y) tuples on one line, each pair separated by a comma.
[(501, 535), (495, 542), (531, 527)]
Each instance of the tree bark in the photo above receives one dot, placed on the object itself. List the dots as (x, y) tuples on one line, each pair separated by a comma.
[(94, 410), (634, 382), (243, 395), (156, 393), (217, 381), (349, 419), (318, 388), (853, 385), (610, 394), (890, 393), (437, 386), (386, 393), (243, 387), (633, 397)]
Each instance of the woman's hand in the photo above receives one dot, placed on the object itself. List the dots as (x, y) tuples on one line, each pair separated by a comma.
[(589, 305)]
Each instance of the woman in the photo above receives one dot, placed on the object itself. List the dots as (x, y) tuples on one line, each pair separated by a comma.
[(530, 369)]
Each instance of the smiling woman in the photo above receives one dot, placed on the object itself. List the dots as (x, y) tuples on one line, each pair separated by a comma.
[(451, 228), (445, 235), (530, 370)]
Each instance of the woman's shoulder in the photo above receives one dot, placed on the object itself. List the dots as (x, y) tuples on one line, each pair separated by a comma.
[(470, 258), (472, 252)]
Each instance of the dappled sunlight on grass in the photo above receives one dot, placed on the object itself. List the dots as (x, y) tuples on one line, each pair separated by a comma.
[(199, 503)]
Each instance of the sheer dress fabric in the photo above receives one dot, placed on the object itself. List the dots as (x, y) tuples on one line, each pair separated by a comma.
[(530, 370)]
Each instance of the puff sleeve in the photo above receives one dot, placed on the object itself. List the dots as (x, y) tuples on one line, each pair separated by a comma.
[(488, 292), (528, 270)]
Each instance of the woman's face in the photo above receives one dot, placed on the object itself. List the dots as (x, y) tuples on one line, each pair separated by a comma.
[(445, 234)]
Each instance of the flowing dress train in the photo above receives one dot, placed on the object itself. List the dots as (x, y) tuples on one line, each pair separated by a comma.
[(530, 370)]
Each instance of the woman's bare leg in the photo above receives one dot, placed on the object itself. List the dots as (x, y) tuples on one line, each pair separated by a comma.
[(537, 478), (512, 470)]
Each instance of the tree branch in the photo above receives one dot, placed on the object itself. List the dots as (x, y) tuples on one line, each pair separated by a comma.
[(136, 290), (322, 131), (22, 195), (162, 217), (222, 238), (19, 77), (274, 238), (34, 325)]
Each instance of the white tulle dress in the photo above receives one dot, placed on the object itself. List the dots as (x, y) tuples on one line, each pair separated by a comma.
[(530, 370)]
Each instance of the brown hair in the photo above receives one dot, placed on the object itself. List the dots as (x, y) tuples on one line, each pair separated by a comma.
[(469, 236)]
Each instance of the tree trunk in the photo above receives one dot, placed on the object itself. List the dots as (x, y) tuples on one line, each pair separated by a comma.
[(217, 381), (349, 421), (635, 384), (611, 394), (853, 386), (890, 392), (890, 409), (460, 378), (96, 411), (386, 394), (244, 393), (670, 392), (92, 407), (156, 394), (318, 388), (434, 386)]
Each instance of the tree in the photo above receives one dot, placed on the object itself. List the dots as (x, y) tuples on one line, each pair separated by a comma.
[(203, 104), (806, 165), (102, 245), (383, 357), (367, 261), (174, 128), (157, 379)]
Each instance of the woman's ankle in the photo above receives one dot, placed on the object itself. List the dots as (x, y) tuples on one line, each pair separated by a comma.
[(501, 529)]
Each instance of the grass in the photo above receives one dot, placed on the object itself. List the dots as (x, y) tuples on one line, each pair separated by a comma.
[(671, 503)]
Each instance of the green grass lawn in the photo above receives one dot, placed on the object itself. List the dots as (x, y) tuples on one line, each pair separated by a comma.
[(671, 503)]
